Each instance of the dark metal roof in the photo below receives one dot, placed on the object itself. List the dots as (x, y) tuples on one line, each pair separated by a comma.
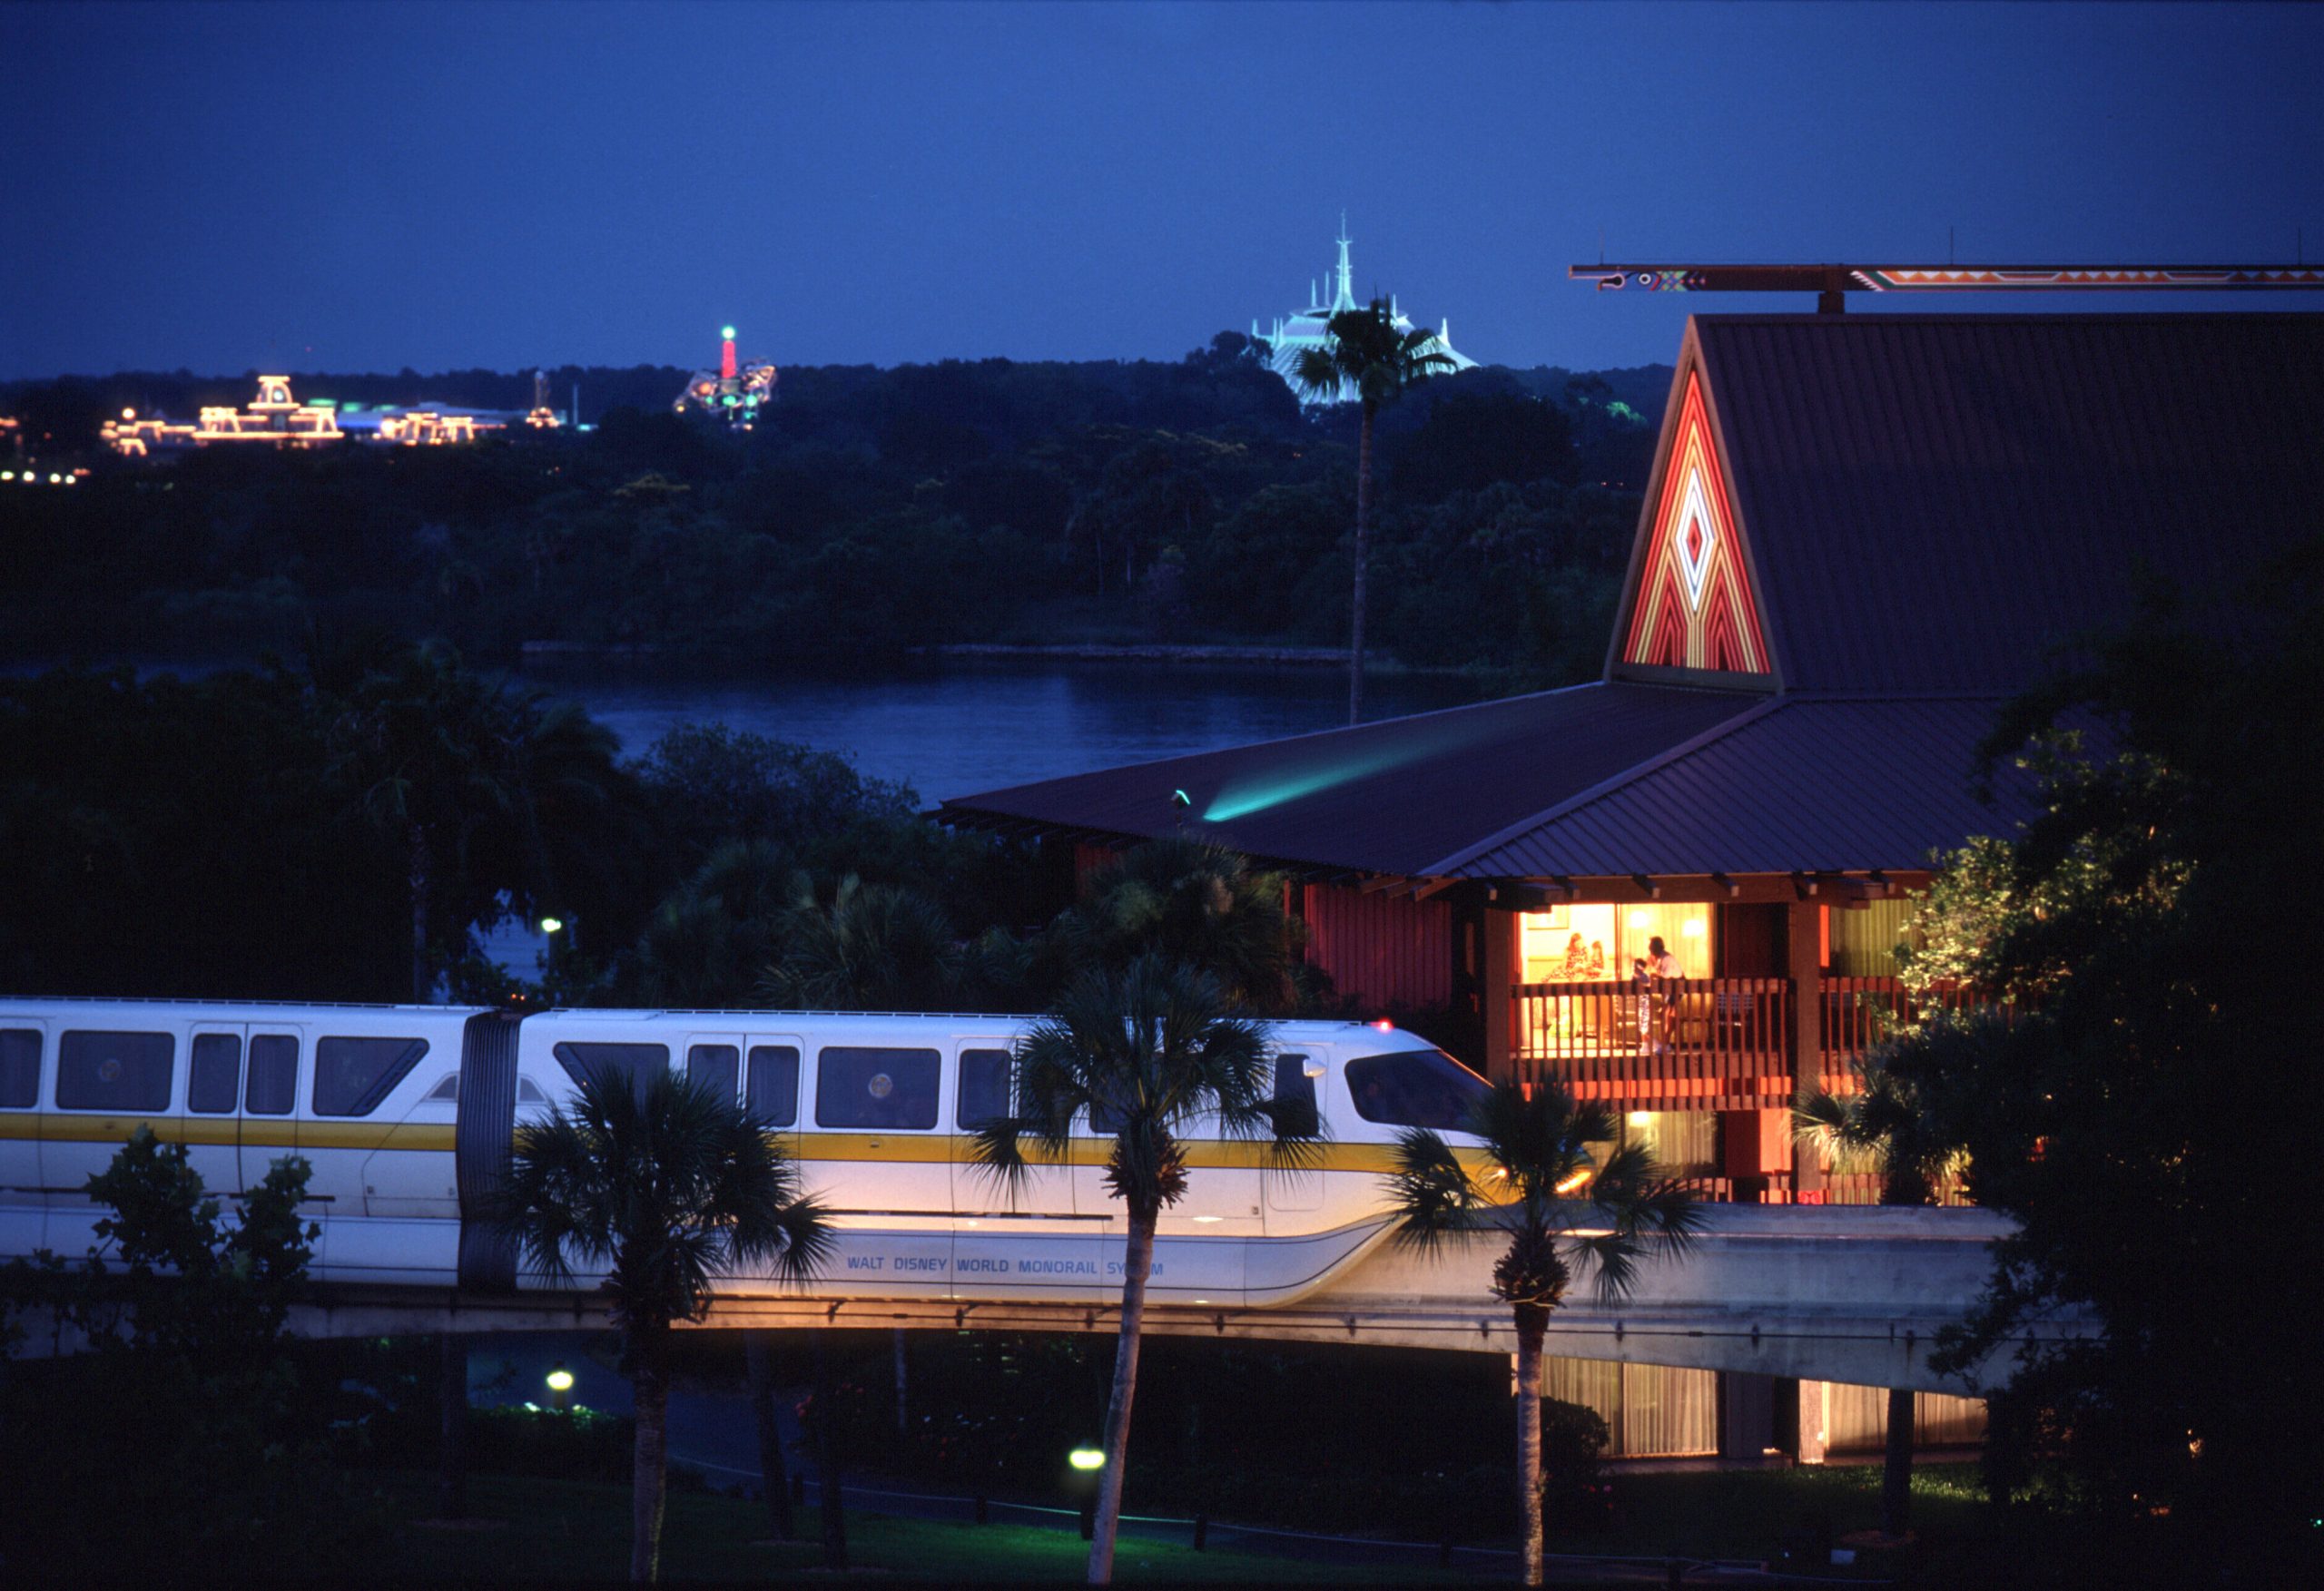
[(1807, 783), (1393, 797), (1932, 501)]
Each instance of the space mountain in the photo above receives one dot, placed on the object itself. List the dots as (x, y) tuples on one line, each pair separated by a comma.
[(1310, 328)]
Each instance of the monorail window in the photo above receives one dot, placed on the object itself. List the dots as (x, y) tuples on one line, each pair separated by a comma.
[(19, 1068), (274, 1083), (353, 1075), (1414, 1088), (446, 1092), (1295, 1097), (717, 1064), (774, 1085), (215, 1074), (528, 1092), (115, 1071), (637, 1062), (864, 1087), (984, 1087)]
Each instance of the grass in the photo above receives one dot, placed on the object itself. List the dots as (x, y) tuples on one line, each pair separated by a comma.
[(575, 1530), (1747, 1513)]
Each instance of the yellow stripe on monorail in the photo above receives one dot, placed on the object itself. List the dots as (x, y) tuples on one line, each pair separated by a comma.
[(226, 1132), (894, 1148)]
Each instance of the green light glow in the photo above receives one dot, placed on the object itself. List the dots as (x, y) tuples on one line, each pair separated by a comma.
[(727, 332), (1085, 1459), (1361, 753)]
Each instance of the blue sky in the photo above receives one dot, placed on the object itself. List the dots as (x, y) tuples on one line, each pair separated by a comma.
[(362, 187)]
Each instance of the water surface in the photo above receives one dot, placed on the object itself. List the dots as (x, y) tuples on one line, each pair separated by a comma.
[(967, 729)]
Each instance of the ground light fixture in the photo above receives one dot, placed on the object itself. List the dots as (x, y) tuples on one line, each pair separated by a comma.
[(1086, 1457), (560, 1388)]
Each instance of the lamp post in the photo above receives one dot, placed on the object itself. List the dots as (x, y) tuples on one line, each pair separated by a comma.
[(560, 1389), (1087, 1461)]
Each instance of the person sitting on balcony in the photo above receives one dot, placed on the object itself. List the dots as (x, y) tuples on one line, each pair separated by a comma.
[(1597, 960), (1577, 959)]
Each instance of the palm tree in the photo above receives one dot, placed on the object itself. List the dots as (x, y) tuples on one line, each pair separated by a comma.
[(1539, 1183), (1368, 354), (484, 790), (664, 1188), (1890, 1123), (875, 948), (1153, 1050)]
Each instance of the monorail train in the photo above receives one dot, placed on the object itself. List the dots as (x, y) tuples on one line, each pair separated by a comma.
[(408, 1113)]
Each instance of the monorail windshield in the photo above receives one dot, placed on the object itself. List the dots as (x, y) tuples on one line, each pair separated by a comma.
[(1414, 1088)]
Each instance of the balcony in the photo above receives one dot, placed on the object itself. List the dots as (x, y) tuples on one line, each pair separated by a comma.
[(1859, 1013), (1695, 1044)]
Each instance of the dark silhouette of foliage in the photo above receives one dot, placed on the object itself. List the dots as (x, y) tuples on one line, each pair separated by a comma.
[(2133, 1110)]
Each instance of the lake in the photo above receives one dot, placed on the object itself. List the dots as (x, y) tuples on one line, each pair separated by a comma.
[(968, 727)]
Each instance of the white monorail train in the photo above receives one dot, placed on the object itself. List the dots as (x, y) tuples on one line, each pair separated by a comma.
[(407, 1113)]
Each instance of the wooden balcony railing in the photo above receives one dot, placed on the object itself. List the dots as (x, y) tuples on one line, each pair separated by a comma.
[(1697, 1044), (1859, 1013)]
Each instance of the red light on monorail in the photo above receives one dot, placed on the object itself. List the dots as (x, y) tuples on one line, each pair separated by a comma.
[(1385, 1025)]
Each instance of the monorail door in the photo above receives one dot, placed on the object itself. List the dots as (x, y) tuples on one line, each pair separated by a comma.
[(216, 1054), (266, 1130)]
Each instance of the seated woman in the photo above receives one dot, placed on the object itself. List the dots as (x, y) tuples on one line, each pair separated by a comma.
[(1577, 959)]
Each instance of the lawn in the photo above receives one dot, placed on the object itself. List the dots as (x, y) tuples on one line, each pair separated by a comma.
[(573, 1530), (1747, 1513)]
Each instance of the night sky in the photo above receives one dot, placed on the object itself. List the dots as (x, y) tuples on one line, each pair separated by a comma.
[(350, 187)]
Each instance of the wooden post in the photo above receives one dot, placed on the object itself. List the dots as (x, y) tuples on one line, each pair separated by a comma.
[(758, 1363), (1500, 1009), (1804, 958), (452, 1455)]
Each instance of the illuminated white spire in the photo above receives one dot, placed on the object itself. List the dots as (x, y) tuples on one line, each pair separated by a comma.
[(1345, 298)]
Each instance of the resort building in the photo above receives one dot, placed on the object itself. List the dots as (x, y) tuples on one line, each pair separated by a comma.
[(1862, 536), (1289, 335)]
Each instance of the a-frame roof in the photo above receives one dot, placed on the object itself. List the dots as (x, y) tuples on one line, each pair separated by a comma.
[(1939, 502), (1927, 508)]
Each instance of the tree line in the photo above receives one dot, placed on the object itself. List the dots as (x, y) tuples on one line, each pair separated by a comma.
[(871, 512)]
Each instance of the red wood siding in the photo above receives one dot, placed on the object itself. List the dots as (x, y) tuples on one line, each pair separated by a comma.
[(1387, 953), (1088, 860)]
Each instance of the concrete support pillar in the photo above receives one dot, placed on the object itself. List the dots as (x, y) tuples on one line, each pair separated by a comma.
[(1804, 965), (1802, 1422), (1746, 1408)]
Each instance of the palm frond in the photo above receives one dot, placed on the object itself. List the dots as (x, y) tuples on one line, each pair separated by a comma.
[(1429, 1190)]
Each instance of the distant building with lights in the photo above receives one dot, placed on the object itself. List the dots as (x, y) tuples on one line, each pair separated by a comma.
[(735, 392), (274, 417), (1291, 335), (277, 419)]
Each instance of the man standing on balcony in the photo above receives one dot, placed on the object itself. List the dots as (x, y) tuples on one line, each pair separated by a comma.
[(1662, 975)]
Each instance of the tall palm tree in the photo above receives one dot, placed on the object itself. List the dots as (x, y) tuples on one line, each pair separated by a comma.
[(1154, 1052), (1366, 354), (664, 1188), (1534, 1180)]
